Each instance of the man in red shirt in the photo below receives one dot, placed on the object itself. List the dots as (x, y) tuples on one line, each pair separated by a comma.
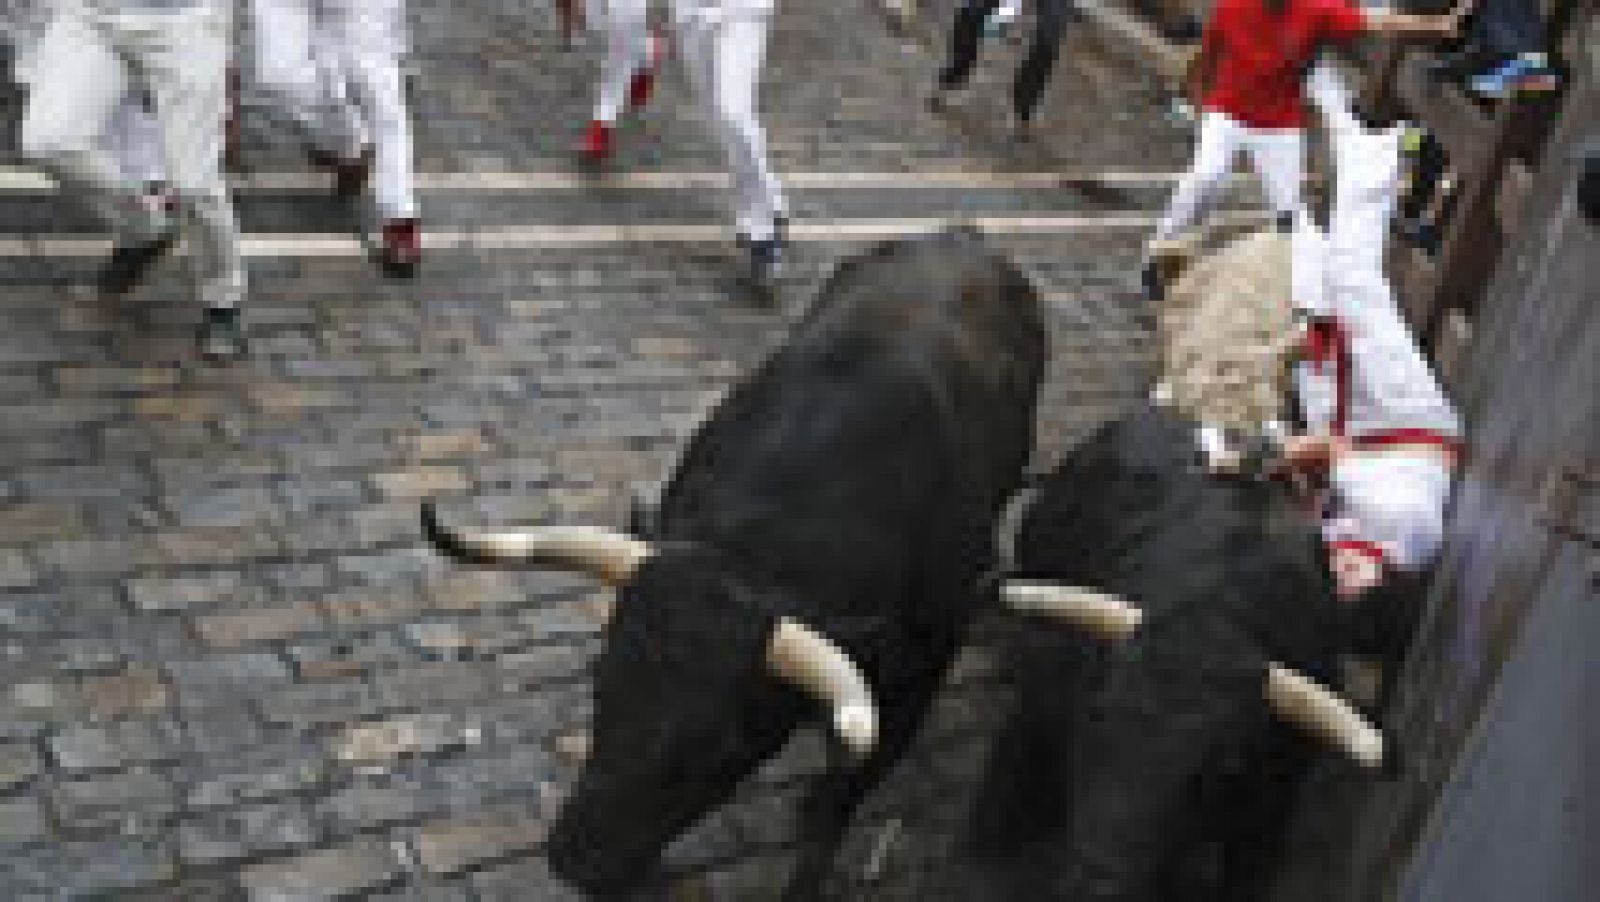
[(1249, 74)]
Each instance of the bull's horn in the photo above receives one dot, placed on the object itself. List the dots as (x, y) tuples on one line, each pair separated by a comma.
[(812, 663), (1296, 697), (1098, 612), (1316, 709), (602, 553)]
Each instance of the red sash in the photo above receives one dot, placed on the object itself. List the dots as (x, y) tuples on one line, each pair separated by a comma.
[(1389, 438), (1327, 344)]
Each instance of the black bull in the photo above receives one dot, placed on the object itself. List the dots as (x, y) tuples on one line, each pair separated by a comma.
[(1152, 768), (850, 484)]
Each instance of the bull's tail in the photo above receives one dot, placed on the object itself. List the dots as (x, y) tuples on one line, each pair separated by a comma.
[(447, 540)]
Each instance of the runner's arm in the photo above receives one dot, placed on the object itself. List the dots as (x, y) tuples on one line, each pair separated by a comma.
[(1385, 21), (1202, 68)]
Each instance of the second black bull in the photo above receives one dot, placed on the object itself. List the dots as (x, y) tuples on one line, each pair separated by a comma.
[(1158, 736), (825, 538)]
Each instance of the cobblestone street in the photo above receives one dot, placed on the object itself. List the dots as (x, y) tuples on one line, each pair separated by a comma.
[(229, 667)]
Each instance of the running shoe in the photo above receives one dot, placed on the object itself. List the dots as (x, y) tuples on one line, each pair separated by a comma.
[(131, 260), (221, 336), (1529, 73), (765, 258), (595, 148), (401, 248)]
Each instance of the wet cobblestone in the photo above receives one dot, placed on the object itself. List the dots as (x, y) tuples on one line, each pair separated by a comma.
[(232, 669)]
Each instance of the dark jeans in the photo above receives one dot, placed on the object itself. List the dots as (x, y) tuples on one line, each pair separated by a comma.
[(1589, 179), (1501, 29), (1034, 72)]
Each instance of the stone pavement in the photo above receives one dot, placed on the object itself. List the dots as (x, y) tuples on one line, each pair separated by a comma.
[(228, 666)]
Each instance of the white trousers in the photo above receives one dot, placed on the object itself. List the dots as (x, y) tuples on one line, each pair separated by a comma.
[(334, 67), (1332, 97), (97, 62), (1395, 501), (132, 137), (1278, 155), (723, 43), (627, 33)]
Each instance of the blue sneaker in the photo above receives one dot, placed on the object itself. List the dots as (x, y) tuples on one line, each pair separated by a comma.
[(1528, 73)]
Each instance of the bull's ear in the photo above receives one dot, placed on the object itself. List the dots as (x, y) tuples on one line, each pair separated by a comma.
[(812, 663), (605, 554), (1097, 612)]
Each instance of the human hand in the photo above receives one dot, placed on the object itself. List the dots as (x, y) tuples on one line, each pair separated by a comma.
[(1458, 14), (1313, 452)]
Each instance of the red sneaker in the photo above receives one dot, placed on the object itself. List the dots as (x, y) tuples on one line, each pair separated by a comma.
[(402, 246), (596, 144)]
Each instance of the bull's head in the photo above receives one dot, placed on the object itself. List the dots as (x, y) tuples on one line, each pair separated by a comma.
[(1298, 699), (699, 681)]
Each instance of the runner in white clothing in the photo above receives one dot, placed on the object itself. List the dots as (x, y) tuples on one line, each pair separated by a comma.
[(133, 138), (722, 43), (101, 52), (627, 77), (1378, 422), (334, 66)]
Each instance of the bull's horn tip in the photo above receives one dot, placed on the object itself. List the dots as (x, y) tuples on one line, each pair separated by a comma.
[(857, 724), (1367, 747)]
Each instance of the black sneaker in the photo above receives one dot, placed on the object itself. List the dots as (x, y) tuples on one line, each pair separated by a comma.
[(766, 259), (1150, 278), (130, 263), (221, 336)]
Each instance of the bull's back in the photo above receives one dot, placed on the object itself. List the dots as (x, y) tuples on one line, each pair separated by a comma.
[(1107, 747), (896, 418), (1133, 512), (947, 301)]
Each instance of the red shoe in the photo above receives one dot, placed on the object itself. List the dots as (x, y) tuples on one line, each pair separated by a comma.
[(596, 145), (644, 80), (402, 247)]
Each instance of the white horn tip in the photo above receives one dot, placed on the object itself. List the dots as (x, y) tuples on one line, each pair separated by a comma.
[(857, 725), (1367, 747)]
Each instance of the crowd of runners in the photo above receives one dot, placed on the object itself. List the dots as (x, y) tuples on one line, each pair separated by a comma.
[(130, 103)]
